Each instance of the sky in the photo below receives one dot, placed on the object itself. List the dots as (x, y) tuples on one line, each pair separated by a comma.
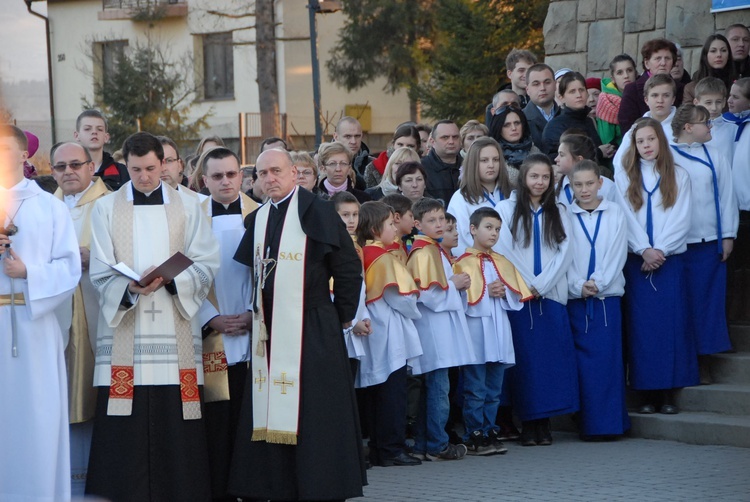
[(22, 38)]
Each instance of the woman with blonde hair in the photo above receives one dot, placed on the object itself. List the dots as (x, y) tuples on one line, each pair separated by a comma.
[(387, 184), (307, 171), (335, 161)]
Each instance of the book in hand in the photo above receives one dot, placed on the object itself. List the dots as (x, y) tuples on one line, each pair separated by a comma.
[(168, 270)]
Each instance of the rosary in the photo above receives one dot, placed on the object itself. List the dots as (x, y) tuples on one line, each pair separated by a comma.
[(11, 229)]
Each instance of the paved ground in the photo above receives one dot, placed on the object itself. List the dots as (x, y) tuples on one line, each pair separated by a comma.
[(571, 470)]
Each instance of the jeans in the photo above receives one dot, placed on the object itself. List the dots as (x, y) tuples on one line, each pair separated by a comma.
[(483, 384), (434, 408)]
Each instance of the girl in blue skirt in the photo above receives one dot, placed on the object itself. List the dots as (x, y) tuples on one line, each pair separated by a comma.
[(656, 197), (599, 243), (713, 227), (534, 237)]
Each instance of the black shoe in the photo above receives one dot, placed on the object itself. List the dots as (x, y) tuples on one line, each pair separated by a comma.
[(647, 409), (494, 438), (543, 434), (478, 445), (402, 459), (669, 409), (528, 434)]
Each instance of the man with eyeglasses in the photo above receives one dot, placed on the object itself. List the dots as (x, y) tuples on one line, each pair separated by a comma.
[(79, 189), (226, 314), (540, 86), (149, 440)]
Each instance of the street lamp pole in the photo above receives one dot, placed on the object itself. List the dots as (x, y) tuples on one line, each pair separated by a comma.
[(313, 8)]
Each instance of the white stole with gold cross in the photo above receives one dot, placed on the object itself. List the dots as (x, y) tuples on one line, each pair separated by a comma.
[(276, 383)]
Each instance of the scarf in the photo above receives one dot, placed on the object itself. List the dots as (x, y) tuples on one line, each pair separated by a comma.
[(335, 189), (516, 153)]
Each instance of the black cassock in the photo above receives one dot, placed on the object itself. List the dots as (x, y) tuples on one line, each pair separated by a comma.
[(327, 462)]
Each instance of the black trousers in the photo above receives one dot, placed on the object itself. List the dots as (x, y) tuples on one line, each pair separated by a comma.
[(387, 416)]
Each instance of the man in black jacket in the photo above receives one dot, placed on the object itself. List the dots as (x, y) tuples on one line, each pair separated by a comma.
[(443, 163), (91, 132), (540, 85), (318, 455)]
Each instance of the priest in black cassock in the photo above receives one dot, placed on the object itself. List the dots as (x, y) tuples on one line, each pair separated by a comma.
[(298, 436)]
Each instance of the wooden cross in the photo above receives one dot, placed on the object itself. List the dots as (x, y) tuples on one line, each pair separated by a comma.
[(153, 311), (260, 380), (283, 383)]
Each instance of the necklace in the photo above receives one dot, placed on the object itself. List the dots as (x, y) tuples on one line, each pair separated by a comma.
[(12, 229)]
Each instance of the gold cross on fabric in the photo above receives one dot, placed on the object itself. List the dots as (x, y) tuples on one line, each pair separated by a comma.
[(283, 383), (260, 380)]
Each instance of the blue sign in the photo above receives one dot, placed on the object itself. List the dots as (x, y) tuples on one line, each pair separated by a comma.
[(722, 5)]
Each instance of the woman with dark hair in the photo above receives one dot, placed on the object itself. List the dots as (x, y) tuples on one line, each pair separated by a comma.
[(575, 115), (405, 136), (658, 56), (622, 72), (716, 61), (510, 128), (534, 237), (411, 180)]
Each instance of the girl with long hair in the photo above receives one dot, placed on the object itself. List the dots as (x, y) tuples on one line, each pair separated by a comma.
[(715, 61), (534, 237), (656, 197), (484, 183)]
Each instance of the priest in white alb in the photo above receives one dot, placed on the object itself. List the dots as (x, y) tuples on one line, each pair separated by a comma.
[(149, 436), (78, 188), (225, 317), (40, 268)]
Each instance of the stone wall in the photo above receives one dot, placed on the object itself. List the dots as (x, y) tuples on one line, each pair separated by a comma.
[(586, 34)]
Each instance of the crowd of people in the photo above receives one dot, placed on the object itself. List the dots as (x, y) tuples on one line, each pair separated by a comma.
[(198, 330)]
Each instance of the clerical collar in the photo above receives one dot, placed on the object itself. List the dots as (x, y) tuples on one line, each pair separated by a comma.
[(219, 209), (276, 204), (153, 198), (72, 200)]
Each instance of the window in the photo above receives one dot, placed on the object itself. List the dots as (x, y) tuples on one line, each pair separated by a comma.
[(218, 66), (110, 55)]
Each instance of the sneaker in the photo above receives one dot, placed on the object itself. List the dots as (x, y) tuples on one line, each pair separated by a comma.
[(451, 452), (419, 455), (478, 445), (498, 445)]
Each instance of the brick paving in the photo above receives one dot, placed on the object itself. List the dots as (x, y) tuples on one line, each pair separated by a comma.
[(572, 470)]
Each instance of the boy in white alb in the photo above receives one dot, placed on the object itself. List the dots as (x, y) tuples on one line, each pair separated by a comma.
[(495, 287), (442, 329)]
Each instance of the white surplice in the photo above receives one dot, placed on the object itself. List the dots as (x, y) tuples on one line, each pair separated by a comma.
[(34, 441), (233, 285), (155, 357)]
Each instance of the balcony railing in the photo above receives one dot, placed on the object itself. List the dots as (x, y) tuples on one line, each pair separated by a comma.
[(135, 9), (136, 4)]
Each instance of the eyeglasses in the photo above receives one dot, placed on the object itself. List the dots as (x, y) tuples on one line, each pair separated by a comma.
[(305, 172), (74, 165), (170, 160), (341, 164), (220, 176), (510, 106)]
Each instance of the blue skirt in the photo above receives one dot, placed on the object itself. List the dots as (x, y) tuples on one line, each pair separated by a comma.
[(706, 284), (601, 373), (545, 383), (661, 349)]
